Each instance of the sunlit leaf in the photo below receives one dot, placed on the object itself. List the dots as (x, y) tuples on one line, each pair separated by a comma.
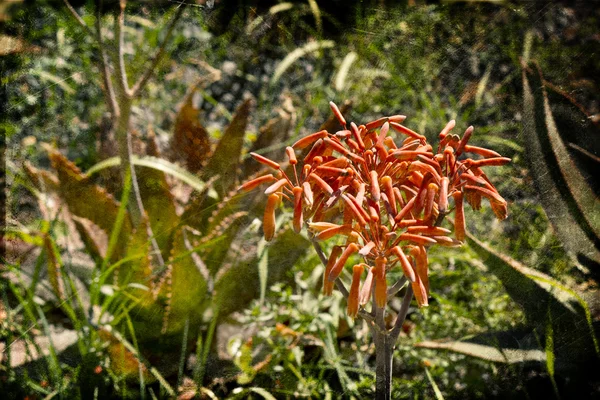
[(488, 353)]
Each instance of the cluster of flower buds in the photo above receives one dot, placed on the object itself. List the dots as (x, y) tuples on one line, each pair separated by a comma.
[(386, 201)]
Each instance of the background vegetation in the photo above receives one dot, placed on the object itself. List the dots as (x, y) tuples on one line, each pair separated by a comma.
[(91, 307)]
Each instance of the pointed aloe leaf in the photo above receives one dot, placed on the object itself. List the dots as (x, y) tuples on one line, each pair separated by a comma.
[(199, 208), (43, 180), (225, 221), (542, 297), (90, 241), (159, 204), (54, 267), (487, 352), (533, 296), (186, 288), (88, 200), (240, 283), (138, 270), (567, 198), (190, 139), (226, 158)]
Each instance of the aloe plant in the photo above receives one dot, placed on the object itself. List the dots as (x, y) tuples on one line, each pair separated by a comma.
[(152, 304)]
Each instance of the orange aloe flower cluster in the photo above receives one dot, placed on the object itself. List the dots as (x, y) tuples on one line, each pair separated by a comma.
[(386, 200)]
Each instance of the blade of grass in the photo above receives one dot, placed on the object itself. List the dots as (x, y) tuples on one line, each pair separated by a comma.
[(436, 389), (184, 340), (297, 54), (114, 236), (152, 162), (52, 359)]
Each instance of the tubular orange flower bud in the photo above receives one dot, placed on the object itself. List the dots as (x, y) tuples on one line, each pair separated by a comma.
[(373, 214), (416, 238), (321, 226), (424, 168), (355, 210), (353, 297), (427, 230), (375, 186), (353, 145), (308, 194), (405, 210), (397, 118), (297, 222), (360, 195), (467, 176), (402, 129), (449, 126), (380, 282), (310, 139), (315, 151), (499, 208), (432, 190), (291, 155), (256, 182), (420, 293), (335, 146), (382, 134), (386, 181), (405, 223), (404, 263), (459, 216), (405, 155), (367, 288), (376, 124), (367, 249), (275, 187), (356, 134), (336, 270), (381, 151), (490, 162), (265, 161), (463, 141), (481, 151), (269, 216), (389, 142), (473, 198), (339, 162), (343, 134), (322, 184), (328, 285), (446, 241), (421, 265), (490, 194), (337, 113), (361, 210), (443, 200), (336, 230)]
